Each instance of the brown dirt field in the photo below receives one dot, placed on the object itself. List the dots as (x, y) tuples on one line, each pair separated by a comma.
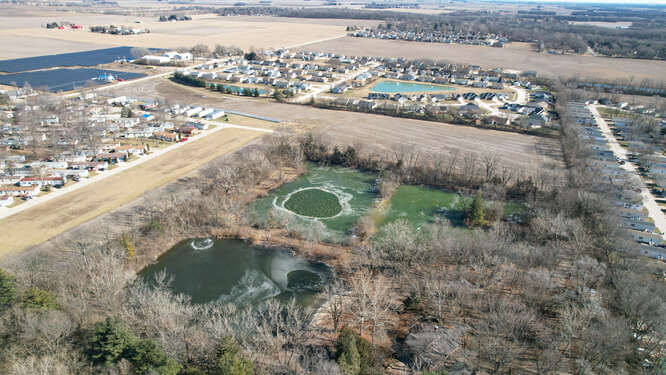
[(511, 58), (23, 36), (524, 152), (42, 222)]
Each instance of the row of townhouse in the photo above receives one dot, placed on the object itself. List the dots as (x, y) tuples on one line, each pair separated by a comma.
[(487, 39)]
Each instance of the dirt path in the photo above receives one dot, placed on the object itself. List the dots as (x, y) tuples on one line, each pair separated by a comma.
[(40, 223)]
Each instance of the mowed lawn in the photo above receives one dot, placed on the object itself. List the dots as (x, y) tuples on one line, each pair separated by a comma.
[(46, 220)]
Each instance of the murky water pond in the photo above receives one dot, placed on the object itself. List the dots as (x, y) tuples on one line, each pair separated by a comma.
[(233, 271)]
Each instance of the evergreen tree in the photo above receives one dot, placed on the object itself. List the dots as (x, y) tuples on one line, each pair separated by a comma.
[(230, 361), (477, 212), (350, 360), (148, 358), (110, 341), (8, 294)]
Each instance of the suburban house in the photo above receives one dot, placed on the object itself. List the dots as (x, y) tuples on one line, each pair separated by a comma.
[(42, 181), (110, 157), (90, 165), (166, 136), (131, 149), (19, 190), (188, 130)]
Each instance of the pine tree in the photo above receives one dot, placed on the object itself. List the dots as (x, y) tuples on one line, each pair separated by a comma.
[(110, 341), (230, 361), (477, 213), (8, 293)]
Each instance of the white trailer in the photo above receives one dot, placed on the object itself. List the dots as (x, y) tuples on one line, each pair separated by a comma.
[(205, 112), (215, 115), (193, 111)]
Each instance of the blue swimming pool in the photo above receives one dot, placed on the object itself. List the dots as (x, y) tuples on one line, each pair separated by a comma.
[(392, 87)]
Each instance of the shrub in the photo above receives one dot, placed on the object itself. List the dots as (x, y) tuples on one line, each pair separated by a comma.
[(39, 299)]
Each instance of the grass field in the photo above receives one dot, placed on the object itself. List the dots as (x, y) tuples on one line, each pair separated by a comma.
[(511, 58), (44, 221)]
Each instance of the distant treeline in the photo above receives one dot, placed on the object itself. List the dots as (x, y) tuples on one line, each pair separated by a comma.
[(355, 14)]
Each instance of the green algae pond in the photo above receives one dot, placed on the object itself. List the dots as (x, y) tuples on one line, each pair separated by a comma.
[(421, 205), (334, 196), (337, 197)]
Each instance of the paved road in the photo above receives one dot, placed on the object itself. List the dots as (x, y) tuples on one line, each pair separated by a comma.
[(620, 152), (6, 212)]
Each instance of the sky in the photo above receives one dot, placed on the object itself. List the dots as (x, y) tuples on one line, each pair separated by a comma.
[(641, 2)]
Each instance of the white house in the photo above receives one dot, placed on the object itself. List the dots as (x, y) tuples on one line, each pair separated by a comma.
[(193, 111), (39, 181), (156, 60), (19, 190)]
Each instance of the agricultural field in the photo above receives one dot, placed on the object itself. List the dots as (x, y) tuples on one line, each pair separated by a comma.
[(24, 35), (511, 58), (385, 134)]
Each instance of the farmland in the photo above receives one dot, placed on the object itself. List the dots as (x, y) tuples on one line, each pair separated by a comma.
[(24, 35), (386, 134), (521, 59)]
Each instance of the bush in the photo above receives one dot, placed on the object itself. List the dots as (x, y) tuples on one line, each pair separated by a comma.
[(39, 299)]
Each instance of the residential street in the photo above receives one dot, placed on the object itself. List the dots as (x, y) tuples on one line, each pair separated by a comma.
[(648, 199)]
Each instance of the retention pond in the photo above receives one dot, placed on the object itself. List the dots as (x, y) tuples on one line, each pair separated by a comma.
[(232, 271)]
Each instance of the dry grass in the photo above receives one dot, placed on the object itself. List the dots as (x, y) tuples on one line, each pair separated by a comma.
[(511, 58), (44, 221), (523, 152), (23, 36)]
